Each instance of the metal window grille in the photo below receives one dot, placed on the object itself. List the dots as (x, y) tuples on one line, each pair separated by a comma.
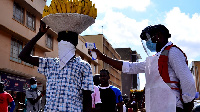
[(16, 48), (30, 21), (18, 13), (49, 42)]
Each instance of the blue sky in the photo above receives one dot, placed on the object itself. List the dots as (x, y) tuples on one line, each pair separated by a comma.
[(123, 21)]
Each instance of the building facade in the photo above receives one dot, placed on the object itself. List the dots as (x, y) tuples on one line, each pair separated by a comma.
[(20, 22), (106, 48), (129, 81), (195, 69)]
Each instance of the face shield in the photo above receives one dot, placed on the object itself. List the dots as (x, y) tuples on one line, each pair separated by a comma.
[(149, 34), (148, 45)]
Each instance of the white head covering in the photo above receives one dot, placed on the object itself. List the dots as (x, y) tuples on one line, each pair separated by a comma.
[(66, 51)]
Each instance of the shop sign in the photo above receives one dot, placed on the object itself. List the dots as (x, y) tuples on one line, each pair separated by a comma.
[(14, 83)]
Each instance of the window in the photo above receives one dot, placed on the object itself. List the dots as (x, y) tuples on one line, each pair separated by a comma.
[(49, 42), (18, 13), (16, 48), (30, 21)]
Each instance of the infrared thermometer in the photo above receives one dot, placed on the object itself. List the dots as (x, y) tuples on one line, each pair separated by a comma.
[(91, 46)]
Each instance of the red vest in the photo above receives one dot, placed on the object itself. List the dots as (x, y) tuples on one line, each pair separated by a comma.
[(163, 66)]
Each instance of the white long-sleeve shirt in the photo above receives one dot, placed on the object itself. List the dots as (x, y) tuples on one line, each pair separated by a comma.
[(177, 69)]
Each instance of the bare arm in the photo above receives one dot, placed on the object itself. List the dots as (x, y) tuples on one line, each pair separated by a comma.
[(25, 53), (113, 62), (87, 101)]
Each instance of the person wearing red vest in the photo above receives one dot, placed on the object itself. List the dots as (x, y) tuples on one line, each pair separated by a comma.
[(170, 86)]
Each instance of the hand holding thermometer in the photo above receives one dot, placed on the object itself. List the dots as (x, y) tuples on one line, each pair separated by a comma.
[(91, 46)]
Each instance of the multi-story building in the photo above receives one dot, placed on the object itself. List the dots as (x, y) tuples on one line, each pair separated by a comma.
[(20, 22), (129, 81), (106, 48), (82, 51), (195, 69)]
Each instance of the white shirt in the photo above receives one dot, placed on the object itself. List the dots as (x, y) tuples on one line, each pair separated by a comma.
[(124, 108), (177, 69)]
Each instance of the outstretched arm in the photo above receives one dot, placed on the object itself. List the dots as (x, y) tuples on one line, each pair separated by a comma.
[(25, 53), (113, 62)]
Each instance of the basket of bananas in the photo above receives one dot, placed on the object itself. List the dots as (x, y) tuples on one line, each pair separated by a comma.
[(68, 15)]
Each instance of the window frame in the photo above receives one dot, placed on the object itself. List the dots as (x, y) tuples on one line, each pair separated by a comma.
[(22, 13), (14, 42), (16, 59), (49, 39), (33, 21)]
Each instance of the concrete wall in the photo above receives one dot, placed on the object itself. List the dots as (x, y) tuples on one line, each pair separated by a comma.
[(98, 40), (14, 27), (10, 66), (37, 4), (105, 47)]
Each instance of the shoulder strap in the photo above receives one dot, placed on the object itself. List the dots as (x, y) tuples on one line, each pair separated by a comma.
[(183, 54), (163, 64)]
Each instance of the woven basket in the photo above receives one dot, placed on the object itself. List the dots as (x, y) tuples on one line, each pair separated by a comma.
[(68, 22)]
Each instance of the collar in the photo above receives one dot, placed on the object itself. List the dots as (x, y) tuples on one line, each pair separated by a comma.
[(105, 87), (158, 53), (74, 59)]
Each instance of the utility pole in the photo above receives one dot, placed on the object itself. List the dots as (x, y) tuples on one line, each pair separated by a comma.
[(102, 29)]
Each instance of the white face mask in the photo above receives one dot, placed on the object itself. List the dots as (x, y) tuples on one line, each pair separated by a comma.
[(66, 51)]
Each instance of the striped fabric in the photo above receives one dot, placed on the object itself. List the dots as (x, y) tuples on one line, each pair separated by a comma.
[(63, 86)]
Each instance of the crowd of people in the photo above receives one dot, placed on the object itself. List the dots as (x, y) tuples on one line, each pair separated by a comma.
[(170, 86)]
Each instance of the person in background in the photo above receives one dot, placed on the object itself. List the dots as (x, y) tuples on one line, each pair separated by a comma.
[(33, 96), (96, 100), (111, 97), (96, 80), (125, 98), (69, 78), (5, 100), (131, 104)]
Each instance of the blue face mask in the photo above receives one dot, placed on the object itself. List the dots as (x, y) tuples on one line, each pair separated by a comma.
[(151, 46), (34, 86)]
